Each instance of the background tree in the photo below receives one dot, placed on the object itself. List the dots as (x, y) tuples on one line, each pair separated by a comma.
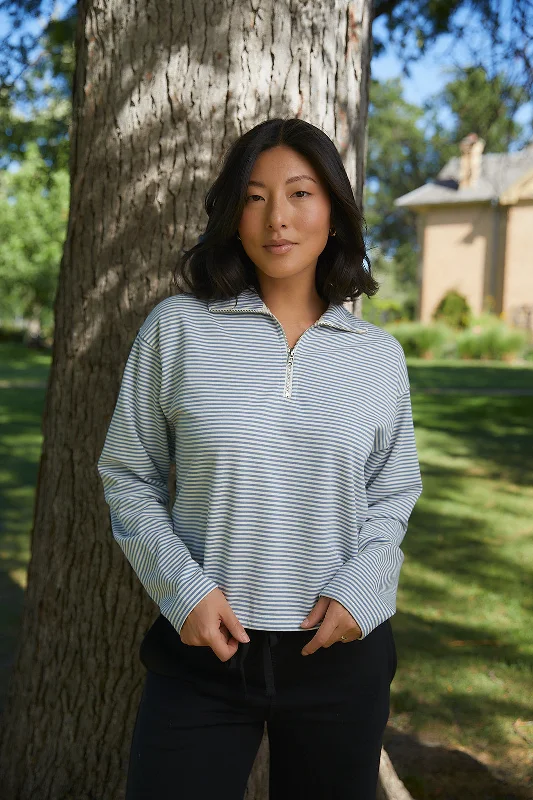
[(476, 102), (498, 36), (407, 146), (30, 252)]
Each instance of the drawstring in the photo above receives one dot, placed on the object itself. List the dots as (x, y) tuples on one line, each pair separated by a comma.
[(237, 659), (270, 638)]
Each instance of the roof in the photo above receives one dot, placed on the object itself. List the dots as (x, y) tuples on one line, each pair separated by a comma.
[(499, 171)]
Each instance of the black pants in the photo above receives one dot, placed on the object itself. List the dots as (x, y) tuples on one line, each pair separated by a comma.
[(200, 723)]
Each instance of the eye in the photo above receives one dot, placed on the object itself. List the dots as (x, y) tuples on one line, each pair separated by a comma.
[(300, 191)]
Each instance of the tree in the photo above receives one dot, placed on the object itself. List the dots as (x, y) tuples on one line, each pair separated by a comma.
[(36, 85), (413, 26), (499, 36), (154, 104), (487, 105), (30, 253)]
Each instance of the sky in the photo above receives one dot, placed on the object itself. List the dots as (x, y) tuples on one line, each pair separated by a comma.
[(428, 75)]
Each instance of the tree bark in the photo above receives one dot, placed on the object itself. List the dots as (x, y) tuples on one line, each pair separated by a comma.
[(160, 89)]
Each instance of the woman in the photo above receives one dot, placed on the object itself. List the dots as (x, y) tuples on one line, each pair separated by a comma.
[(289, 421)]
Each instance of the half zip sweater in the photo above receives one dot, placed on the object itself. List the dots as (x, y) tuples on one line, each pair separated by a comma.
[(296, 468)]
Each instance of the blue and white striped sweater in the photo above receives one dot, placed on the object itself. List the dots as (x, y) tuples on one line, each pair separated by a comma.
[(296, 470)]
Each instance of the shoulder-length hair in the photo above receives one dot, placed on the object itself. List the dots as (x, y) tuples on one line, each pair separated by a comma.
[(217, 266)]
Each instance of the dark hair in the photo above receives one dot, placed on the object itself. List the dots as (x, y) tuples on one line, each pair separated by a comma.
[(218, 267)]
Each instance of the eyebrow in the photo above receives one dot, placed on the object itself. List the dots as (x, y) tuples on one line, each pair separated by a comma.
[(289, 180)]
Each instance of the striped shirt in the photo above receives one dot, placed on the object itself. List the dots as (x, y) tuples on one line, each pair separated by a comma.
[(296, 468)]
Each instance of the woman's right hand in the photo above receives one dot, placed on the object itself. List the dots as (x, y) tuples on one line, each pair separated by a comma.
[(213, 623)]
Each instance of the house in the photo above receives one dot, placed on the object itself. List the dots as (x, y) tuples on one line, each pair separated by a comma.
[(475, 231)]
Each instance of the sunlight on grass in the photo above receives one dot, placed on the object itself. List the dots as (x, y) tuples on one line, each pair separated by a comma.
[(463, 627)]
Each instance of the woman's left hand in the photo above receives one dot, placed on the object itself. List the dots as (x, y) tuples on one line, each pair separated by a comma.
[(337, 621)]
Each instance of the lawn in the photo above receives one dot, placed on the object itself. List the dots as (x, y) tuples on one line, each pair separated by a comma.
[(462, 698)]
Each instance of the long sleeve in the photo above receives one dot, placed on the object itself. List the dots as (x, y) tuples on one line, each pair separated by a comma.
[(367, 583), (134, 466)]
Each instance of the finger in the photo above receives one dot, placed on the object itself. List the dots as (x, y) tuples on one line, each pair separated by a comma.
[(336, 634), (234, 626), (223, 648), (317, 613), (227, 635), (322, 635)]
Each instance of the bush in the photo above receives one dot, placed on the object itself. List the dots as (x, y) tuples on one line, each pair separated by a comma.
[(491, 339), (381, 311), (12, 334), (453, 310), (423, 341)]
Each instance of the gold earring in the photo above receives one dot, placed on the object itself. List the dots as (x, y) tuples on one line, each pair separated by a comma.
[(239, 238), (334, 231)]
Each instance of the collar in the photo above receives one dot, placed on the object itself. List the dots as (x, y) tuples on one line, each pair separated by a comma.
[(335, 316)]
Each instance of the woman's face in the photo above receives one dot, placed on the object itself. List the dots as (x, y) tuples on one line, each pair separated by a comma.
[(298, 210)]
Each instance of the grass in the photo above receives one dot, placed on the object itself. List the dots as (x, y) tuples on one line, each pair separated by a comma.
[(448, 373), (463, 626), (19, 363)]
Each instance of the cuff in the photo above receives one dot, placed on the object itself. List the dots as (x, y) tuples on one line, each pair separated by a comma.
[(177, 609)]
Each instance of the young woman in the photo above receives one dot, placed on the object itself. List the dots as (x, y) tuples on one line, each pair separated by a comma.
[(289, 421)]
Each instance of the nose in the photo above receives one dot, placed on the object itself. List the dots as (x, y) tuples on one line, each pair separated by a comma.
[(277, 211)]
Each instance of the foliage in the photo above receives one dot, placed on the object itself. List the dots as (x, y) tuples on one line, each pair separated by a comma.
[(496, 35), (408, 145), (488, 338), (381, 311), (420, 340), (491, 338), (400, 157), (454, 310), (30, 253), (484, 104)]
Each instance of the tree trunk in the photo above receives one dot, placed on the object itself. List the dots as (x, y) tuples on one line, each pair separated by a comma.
[(157, 96)]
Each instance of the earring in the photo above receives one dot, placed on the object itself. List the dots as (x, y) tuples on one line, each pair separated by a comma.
[(332, 231), (239, 238)]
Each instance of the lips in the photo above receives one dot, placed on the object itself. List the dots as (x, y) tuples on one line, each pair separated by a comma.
[(279, 248)]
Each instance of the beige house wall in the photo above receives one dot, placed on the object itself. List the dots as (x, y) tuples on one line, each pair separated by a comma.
[(518, 277), (456, 254)]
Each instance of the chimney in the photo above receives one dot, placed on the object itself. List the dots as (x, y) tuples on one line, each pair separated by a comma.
[(471, 147)]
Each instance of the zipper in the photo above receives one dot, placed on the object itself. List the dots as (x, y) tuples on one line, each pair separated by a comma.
[(289, 364)]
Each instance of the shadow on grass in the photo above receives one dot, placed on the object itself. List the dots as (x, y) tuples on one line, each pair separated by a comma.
[(21, 441), (460, 552), (469, 375), (497, 430), (432, 772), (18, 362), (20, 448), (457, 665)]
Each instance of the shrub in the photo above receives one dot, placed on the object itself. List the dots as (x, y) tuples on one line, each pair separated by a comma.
[(381, 311), (12, 334), (490, 338), (453, 310), (423, 341)]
